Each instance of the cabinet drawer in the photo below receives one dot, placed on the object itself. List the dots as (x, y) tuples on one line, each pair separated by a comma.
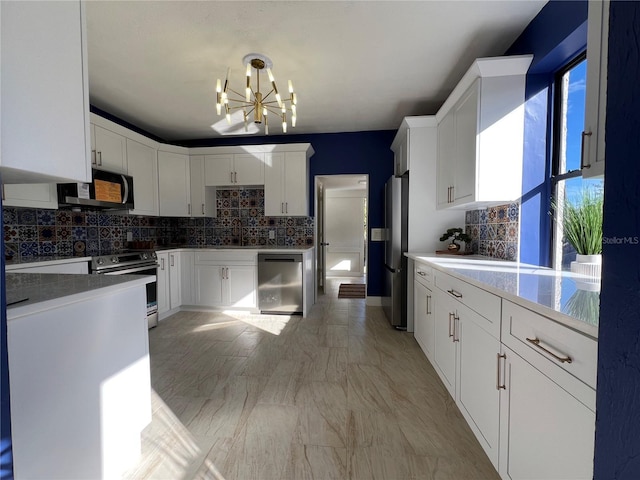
[(478, 300), (423, 274), (225, 257), (525, 332)]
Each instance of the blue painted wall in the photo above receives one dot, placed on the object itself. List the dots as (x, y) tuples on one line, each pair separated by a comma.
[(617, 452), (555, 36), (342, 153)]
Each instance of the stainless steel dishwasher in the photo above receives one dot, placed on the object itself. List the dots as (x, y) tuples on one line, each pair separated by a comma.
[(280, 283)]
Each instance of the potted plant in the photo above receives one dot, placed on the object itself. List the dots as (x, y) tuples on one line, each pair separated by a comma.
[(455, 234), (582, 227)]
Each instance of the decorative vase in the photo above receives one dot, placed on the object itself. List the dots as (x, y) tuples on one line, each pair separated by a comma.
[(453, 247), (589, 265)]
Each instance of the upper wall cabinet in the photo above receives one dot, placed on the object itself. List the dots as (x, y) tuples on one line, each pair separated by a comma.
[(596, 98), (286, 184), (234, 169), (174, 184), (203, 198), (108, 150), (481, 128), (142, 161), (45, 102)]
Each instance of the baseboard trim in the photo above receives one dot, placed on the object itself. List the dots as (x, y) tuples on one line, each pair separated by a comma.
[(374, 301)]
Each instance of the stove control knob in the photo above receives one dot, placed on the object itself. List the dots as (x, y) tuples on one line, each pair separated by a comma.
[(100, 261), (145, 256), (114, 259), (154, 256)]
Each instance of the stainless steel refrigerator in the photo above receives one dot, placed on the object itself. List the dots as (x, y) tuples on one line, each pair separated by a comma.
[(396, 216)]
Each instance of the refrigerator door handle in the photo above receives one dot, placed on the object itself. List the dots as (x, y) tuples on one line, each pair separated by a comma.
[(392, 270)]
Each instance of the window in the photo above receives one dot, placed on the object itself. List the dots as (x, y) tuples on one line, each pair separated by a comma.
[(567, 183)]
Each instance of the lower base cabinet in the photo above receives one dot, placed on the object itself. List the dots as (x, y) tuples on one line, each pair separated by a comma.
[(477, 387), (221, 285), (444, 358), (546, 432), (423, 327), (532, 412)]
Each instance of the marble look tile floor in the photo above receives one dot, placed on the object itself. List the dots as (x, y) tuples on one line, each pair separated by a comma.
[(337, 395)]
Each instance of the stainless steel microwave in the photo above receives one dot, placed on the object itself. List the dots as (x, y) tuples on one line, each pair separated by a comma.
[(108, 190)]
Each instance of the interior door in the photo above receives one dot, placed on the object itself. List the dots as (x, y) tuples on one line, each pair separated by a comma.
[(344, 234)]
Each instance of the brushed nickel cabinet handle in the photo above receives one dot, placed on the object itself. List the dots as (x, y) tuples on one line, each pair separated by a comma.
[(498, 386), (536, 342), (235, 177), (99, 158), (203, 208), (428, 304), (230, 177), (162, 264), (453, 196), (172, 264), (421, 273), (94, 155), (454, 293), (451, 315), (282, 207), (456, 318), (189, 208), (582, 164)]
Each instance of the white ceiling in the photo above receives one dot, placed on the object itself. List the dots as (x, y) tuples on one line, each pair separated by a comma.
[(356, 65)]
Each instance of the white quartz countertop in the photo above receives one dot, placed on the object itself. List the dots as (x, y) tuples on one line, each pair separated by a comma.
[(565, 297), (256, 249), (18, 262), (35, 292)]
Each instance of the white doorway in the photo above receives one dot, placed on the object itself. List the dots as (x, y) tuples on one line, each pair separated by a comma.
[(341, 226)]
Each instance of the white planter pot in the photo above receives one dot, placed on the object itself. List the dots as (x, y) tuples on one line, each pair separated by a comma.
[(589, 265)]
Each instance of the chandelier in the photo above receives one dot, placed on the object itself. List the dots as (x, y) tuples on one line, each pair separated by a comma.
[(254, 103)]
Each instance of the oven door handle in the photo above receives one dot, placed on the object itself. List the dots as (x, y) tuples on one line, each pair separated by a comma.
[(129, 270)]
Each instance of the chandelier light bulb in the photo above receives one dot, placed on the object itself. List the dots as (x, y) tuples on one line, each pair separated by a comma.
[(271, 79), (293, 120), (218, 86), (290, 87)]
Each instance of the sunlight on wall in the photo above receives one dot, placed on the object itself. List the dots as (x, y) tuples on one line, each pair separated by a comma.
[(344, 265)]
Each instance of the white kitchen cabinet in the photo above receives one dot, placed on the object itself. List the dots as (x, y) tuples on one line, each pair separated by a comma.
[(142, 165), (203, 198), (446, 159), (241, 286), (286, 184), (487, 107), (169, 279), (174, 181), (236, 169), (423, 323), (45, 94), (32, 195), (225, 279), (401, 153), (208, 281), (547, 425), (163, 282), (220, 285), (175, 290), (108, 150), (596, 95), (186, 278), (477, 389), (445, 351)]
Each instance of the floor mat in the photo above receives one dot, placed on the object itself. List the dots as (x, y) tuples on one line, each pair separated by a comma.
[(352, 290)]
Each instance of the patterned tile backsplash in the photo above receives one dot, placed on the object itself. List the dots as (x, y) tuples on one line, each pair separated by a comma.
[(494, 231), (241, 221)]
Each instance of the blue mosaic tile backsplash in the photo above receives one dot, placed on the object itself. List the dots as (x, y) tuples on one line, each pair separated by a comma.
[(241, 221), (495, 231)]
